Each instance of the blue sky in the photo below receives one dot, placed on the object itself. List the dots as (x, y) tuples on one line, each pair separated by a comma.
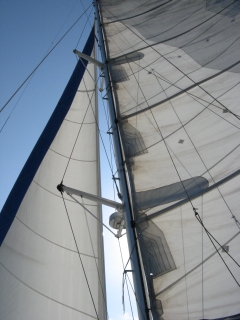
[(28, 30)]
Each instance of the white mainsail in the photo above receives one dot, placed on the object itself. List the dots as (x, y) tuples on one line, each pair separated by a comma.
[(51, 257), (174, 68)]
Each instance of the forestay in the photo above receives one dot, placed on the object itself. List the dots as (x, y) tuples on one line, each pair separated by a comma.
[(175, 69), (44, 274)]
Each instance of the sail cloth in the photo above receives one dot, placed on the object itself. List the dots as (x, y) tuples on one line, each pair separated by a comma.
[(174, 67), (42, 274)]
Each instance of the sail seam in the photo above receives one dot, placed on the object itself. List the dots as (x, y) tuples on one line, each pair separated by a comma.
[(74, 159), (182, 91), (88, 204), (171, 38), (137, 15), (197, 266), (42, 294), (56, 244), (152, 46), (78, 122), (200, 157)]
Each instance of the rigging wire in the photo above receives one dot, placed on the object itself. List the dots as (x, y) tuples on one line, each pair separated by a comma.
[(83, 29), (184, 261), (209, 234), (184, 75), (30, 79), (29, 76), (120, 249), (202, 262), (91, 214), (125, 272), (79, 131), (189, 199), (95, 258), (15, 105), (106, 112), (84, 271), (210, 238), (99, 131), (195, 148), (135, 296)]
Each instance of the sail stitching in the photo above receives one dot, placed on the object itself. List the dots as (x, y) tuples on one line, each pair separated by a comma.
[(89, 103), (196, 84), (196, 267), (56, 244), (79, 122), (74, 159), (186, 91), (171, 38), (42, 294), (142, 13)]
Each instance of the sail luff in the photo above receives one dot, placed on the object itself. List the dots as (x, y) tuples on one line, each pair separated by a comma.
[(141, 300)]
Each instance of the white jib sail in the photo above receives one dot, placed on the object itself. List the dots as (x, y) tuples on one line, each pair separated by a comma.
[(43, 273), (175, 73)]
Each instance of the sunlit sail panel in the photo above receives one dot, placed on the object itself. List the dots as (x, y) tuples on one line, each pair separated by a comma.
[(175, 75), (49, 270)]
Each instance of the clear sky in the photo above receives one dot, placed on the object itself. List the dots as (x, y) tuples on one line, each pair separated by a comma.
[(28, 30)]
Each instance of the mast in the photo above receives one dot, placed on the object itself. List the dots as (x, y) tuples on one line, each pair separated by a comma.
[(130, 230)]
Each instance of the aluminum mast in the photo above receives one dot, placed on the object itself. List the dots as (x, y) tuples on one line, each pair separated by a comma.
[(131, 237)]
